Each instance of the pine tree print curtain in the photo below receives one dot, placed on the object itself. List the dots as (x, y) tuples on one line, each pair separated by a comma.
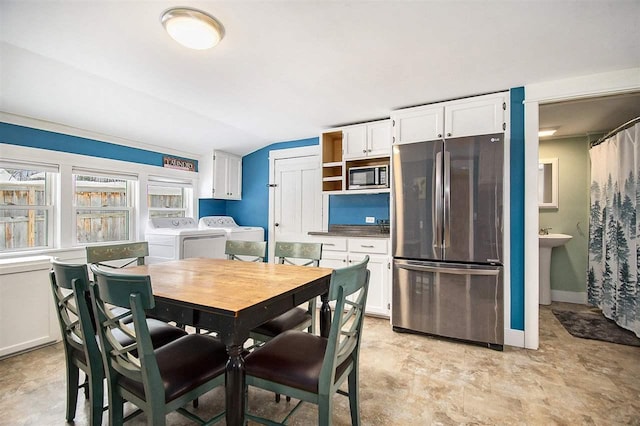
[(614, 231)]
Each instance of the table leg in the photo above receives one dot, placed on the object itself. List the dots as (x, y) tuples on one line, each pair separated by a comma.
[(325, 315), (235, 383)]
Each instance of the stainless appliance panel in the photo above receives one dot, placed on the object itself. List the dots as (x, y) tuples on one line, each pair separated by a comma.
[(417, 187), (473, 187), (368, 177), (460, 301)]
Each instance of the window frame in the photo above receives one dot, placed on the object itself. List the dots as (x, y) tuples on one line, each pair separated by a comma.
[(52, 174), (131, 208), (163, 182)]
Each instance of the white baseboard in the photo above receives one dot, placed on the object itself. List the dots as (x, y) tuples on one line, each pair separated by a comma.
[(569, 296), (514, 337)]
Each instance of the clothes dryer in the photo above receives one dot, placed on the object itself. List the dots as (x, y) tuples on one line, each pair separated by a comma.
[(181, 238), (231, 228)]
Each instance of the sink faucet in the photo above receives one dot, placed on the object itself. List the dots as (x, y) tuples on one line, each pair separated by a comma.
[(544, 231)]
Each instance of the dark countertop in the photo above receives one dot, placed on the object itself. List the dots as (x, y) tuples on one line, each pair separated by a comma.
[(369, 231)]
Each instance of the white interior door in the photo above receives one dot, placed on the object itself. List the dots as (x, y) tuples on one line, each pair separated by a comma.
[(297, 198)]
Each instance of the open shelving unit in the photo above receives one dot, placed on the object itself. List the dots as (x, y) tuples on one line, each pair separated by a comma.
[(332, 164), (335, 169)]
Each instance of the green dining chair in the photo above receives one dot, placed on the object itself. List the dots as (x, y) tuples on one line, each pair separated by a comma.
[(248, 251), (131, 252), (312, 368), (70, 286), (296, 318), (158, 381)]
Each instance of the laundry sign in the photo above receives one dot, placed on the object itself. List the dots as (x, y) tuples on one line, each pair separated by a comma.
[(178, 163)]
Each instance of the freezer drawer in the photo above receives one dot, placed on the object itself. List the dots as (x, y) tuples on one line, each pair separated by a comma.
[(460, 301)]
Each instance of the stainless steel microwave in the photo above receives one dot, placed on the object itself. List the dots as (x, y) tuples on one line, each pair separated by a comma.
[(369, 177)]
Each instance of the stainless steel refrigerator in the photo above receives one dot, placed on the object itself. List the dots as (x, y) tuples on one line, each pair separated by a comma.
[(447, 238)]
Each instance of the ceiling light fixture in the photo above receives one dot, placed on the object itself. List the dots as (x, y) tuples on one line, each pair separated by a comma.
[(545, 133), (192, 28)]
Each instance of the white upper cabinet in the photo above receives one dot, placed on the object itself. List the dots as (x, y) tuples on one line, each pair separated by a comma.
[(482, 115), (227, 176), (418, 124), (367, 140), (354, 141), (478, 115)]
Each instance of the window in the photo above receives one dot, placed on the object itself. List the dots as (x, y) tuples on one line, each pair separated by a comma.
[(167, 198), (26, 210), (103, 205)]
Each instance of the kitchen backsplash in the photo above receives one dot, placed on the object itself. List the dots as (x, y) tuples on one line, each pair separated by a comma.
[(353, 209)]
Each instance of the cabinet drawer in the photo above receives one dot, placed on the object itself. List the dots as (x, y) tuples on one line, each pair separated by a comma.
[(368, 245), (332, 243)]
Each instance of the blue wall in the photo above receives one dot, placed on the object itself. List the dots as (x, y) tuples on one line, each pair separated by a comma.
[(352, 209), (517, 208), (253, 209), (34, 138), (209, 207)]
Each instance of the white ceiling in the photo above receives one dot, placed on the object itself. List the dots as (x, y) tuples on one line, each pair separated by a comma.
[(288, 69), (590, 117)]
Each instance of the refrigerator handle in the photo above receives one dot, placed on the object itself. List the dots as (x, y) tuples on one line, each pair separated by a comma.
[(446, 212), (436, 208), (453, 271)]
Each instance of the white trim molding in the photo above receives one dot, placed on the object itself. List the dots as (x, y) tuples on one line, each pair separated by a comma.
[(579, 297), (608, 83)]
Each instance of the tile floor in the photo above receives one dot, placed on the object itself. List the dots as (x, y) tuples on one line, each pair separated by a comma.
[(407, 380)]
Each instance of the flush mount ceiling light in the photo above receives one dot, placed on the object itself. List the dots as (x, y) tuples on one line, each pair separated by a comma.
[(192, 28), (547, 132)]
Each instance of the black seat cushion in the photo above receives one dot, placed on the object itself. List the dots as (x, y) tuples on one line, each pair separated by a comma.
[(290, 320), (293, 358), (161, 333), (185, 364)]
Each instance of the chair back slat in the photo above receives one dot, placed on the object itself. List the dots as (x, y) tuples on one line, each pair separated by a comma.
[(70, 285), (134, 252), (285, 251), (346, 326), (136, 360), (248, 251)]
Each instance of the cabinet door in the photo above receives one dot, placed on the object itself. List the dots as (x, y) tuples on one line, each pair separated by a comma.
[(379, 138), (354, 141), (234, 177), (378, 297), (418, 124), (227, 176), (333, 260), (482, 115)]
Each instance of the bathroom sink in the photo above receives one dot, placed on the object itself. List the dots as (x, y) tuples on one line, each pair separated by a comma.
[(553, 240), (547, 243)]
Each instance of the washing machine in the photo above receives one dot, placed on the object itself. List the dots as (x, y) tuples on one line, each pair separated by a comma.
[(172, 238), (231, 228)]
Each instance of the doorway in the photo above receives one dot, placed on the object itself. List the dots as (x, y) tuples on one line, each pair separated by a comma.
[(295, 197), (611, 83), (577, 123)]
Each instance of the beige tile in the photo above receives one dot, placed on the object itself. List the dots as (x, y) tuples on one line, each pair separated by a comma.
[(405, 379)]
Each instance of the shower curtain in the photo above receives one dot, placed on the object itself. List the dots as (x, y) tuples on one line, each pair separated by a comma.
[(614, 228)]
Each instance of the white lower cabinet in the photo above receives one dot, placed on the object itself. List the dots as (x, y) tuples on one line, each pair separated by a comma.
[(27, 311), (339, 252)]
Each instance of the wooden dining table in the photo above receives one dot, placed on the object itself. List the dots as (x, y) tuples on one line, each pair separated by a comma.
[(232, 298)]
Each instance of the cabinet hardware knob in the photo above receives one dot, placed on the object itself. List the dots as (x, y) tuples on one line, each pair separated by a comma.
[(439, 135), (276, 224), (364, 151), (448, 134), (369, 150)]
